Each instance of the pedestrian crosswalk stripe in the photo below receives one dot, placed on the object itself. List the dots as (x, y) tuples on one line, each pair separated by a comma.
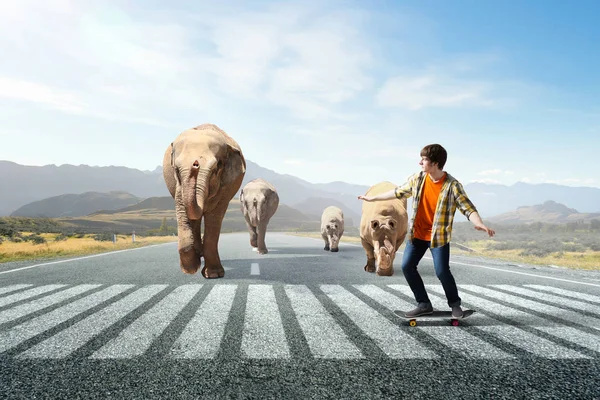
[(512, 321), (560, 301), (13, 298), (460, 340), (67, 341), (202, 336), (39, 304), (12, 288), (263, 335), (389, 337), (137, 337), (514, 335), (531, 343), (569, 334), (556, 312), (34, 327), (324, 336), (567, 293)]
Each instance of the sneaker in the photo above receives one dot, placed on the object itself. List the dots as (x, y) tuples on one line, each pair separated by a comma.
[(417, 312), (457, 312)]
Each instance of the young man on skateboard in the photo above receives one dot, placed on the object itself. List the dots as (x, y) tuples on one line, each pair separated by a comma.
[(437, 195)]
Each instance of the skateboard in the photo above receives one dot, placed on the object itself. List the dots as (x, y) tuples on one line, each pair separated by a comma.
[(412, 321)]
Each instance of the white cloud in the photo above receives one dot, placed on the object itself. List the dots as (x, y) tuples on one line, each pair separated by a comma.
[(306, 60), (426, 91), (43, 94)]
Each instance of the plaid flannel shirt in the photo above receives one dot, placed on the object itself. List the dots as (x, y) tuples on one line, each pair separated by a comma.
[(452, 196)]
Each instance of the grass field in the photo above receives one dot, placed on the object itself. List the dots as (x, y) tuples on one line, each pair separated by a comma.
[(10, 251)]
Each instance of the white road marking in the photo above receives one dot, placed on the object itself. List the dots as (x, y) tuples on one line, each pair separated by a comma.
[(82, 258), (524, 273), (263, 335), (566, 315), (254, 269), (66, 342), (567, 293), (390, 338), (458, 339), (13, 298), (39, 304), (12, 288), (34, 327), (202, 336), (324, 336), (520, 338), (560, 301), (138, 336)]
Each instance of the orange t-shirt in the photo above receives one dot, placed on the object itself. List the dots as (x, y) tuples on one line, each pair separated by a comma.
[(427, 205)]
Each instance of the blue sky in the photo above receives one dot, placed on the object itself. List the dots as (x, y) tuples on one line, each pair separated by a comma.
[(325, 91)]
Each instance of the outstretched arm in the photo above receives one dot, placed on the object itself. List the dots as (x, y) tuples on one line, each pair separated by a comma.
[(479, 225), (389, 195)]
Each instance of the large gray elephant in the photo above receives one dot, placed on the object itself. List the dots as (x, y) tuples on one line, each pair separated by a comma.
[(203, 169), (258, 201)]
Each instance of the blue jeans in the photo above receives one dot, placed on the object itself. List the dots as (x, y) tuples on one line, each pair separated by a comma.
[(413, 253)]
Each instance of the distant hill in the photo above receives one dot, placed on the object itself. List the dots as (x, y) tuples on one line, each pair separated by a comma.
[(149, 214), (76, 205), (20, 185), (151, 203), (549, 211)]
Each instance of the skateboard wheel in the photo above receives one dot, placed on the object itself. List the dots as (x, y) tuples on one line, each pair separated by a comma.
[(412, 322), (454, 322)]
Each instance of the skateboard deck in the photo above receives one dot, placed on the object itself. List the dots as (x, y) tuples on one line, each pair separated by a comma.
[(412, 321)]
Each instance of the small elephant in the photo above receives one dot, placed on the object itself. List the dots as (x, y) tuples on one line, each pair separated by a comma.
[(332, 227), (258, 201), (383, 228), (203, 169)]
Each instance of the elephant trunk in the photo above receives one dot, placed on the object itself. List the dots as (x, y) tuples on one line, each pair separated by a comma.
[(194, 194)]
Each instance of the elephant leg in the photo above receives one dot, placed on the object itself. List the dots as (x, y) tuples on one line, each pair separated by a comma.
[(188, 257), (252, 232), (210, 246), (326, 239), (261, 232), (370, 267), (197, 230)]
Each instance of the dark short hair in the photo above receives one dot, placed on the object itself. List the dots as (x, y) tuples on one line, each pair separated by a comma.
[(436, 154)]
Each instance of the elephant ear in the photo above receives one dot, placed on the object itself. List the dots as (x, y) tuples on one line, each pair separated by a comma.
[(176, 175), (235, 165)]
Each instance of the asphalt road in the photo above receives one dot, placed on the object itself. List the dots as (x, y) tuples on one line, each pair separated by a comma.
[(298, 322)]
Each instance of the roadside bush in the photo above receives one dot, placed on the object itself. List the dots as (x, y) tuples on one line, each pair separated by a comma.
[(104, 237), (594, 246), (535, 252), (35, 239), (508, 245), (573, 247), (60, 237)]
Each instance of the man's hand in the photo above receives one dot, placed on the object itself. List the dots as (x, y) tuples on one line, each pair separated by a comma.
[(481, 227), (365, 198)]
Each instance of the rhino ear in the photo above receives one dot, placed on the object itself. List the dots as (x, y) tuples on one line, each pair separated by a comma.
[(374, 224)]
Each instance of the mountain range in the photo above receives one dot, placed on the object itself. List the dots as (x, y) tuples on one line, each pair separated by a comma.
[(22, 185)]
